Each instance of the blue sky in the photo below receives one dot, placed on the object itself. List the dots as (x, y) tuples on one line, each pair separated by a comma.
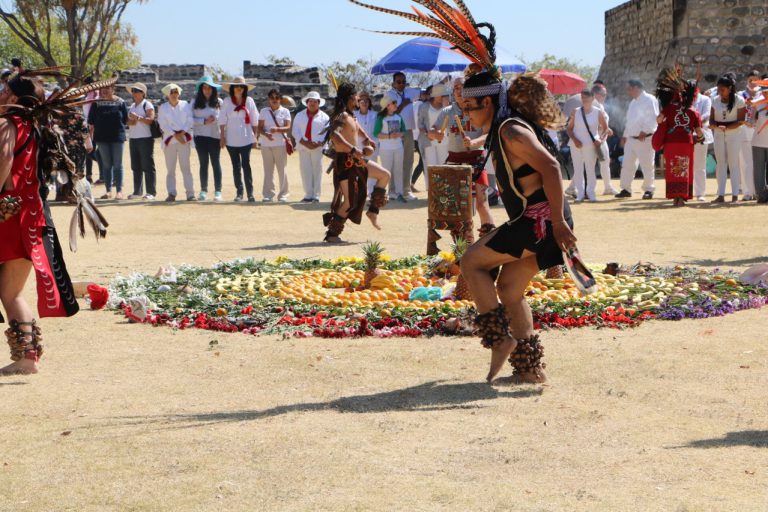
[(313, 32)]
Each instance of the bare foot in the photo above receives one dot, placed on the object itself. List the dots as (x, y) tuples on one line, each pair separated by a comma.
[(499, 355), (374, 218), (20, 367), (534, 377)]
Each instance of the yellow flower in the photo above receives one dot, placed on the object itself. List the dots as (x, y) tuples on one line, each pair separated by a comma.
[(281, 259), (448, 257), (384, 258)]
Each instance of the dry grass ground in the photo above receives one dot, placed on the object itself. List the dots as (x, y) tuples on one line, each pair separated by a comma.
[(668, 416)]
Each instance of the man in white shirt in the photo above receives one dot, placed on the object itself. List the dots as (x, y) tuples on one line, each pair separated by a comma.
[(175, 119), (638, 131), (308, 127), (703, 105), (405, 109)]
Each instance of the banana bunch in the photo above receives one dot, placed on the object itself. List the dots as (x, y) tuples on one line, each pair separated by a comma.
[(383, 282)]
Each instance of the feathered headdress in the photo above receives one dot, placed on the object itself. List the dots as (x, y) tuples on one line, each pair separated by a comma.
[(455, 25), (670, 85), (47, 116)]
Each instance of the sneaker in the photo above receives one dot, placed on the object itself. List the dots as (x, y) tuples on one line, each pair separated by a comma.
[(191, 198), (251, 199), (392, 197), (306, 200), (701, 199), (238, 198), (171, 198), (283, 200), (203, 195), (410, 197), (718, 199), (135, 196), (315, 199), (623, 194), (266, 200), (610, 192), (648, 195), (401, 198), (217, 197), (148, 197)]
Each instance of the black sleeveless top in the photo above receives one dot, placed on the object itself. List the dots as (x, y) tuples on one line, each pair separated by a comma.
[(507, 179)]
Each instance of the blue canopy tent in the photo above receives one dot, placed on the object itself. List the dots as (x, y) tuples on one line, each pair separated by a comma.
[(425, 54)]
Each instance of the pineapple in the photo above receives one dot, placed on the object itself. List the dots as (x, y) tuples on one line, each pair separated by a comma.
[(462, 290), (372, 252)]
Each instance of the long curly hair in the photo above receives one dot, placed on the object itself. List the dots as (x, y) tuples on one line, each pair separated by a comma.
[(530, 96)]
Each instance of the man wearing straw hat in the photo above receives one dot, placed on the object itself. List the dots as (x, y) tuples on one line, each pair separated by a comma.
[(308, 131), (175, 120), (141, 145)]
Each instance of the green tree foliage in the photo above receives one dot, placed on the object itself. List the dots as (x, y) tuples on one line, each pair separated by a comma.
[(548, 61), (285, 61), (86, 35)]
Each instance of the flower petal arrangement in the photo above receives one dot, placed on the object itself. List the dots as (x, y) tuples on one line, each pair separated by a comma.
[(409, 297)]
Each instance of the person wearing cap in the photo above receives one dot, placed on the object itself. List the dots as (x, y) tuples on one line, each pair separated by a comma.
[(141, 145), (107, 122), (207, 134), (308, 131), (405, 110), (239, 123), (274, 125), (437, 152), (175, 118), (390, 129)]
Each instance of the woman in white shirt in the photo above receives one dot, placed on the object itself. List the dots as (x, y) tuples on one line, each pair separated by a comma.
[(274, 125), (587, 129), (205, 116), (141, 145), (389, 129), (727, 116), (239, 123), (175, 119)]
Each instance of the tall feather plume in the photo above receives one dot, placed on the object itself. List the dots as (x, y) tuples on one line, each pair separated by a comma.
[(452, 24)]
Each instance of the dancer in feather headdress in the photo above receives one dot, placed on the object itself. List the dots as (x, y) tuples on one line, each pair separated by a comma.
[(679, 130), (33, 152), (528, 174)]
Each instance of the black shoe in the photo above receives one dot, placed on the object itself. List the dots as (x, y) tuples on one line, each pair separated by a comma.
[(251, 199), (648, 195), (306, 200), (623, 194)]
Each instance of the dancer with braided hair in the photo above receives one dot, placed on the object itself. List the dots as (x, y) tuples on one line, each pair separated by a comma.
[(31, 151), (350, 170), (499, 266)]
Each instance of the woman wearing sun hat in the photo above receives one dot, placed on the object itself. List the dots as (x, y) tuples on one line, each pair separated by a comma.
[(239, 123), (308, 128), (389, 129), (175, 120), (205, 117), (141, 145)]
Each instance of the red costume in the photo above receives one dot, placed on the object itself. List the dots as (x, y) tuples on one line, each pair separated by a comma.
[(30, 233), (676, 136)]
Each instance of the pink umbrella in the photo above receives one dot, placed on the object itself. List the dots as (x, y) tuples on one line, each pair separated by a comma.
[(562, 82)]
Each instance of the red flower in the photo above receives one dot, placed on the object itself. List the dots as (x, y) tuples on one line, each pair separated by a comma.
[(99, 296)]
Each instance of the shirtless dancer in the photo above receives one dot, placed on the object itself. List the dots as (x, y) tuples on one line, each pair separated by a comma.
[(350, 170)]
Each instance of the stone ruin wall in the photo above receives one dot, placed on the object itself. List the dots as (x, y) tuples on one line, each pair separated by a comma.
[(294, 81), (643, 36)]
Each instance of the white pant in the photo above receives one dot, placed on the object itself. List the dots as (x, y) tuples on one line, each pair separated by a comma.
[(178, 152), (605, 169), (392, 160), (274, 156), (638, 151), (700, 170), (586, 156), (311, 165), (747, 167), (727, 154)]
